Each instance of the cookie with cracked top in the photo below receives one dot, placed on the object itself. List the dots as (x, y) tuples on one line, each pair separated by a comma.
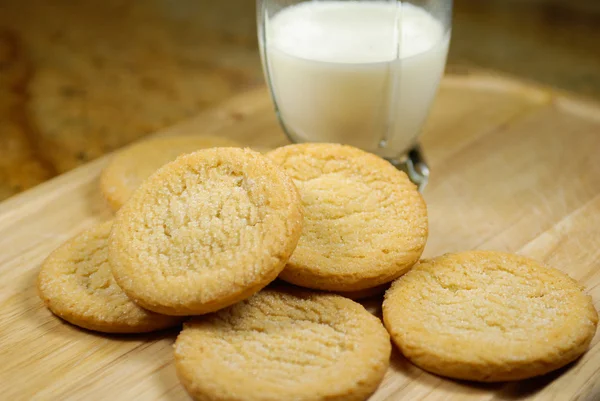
[(284, 344), (205, 231), (365, 223), (488, 316), (76, 284)]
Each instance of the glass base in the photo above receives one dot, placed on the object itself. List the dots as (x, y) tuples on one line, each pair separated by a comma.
[(414, 165)]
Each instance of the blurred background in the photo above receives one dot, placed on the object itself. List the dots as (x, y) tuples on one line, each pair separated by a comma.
[(81, 78)]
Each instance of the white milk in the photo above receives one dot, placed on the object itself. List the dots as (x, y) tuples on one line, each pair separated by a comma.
[(337, 77)]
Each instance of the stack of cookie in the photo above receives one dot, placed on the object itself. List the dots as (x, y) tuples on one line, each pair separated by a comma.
[(206, 233)]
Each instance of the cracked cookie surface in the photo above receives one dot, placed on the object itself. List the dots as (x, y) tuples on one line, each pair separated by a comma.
[(365, 223), (205, 231), (284, 344), (133, 164), (76, 284), (488, 316)]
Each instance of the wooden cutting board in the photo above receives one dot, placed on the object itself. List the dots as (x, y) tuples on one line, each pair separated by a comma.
[(514, 168)]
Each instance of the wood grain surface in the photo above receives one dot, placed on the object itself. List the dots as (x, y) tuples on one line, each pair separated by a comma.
[(514, 168)]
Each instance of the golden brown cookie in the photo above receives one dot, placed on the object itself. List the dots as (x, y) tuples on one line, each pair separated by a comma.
[(76, 284), (283, 344), (132, 165), (488, 316), (365, 223), (205, 231)]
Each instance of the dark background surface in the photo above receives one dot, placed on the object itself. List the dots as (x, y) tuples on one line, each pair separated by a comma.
[(79, 79)]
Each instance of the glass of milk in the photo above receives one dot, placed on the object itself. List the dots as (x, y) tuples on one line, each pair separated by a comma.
[(362, 73)]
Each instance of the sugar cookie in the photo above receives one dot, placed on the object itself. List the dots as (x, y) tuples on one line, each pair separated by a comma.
[(283, 344), (488, 316), (133, 164), (76, 284), (205, 231), (365, 223)]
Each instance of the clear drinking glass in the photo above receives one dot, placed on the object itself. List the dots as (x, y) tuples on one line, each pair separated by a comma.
[(362, 73)]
